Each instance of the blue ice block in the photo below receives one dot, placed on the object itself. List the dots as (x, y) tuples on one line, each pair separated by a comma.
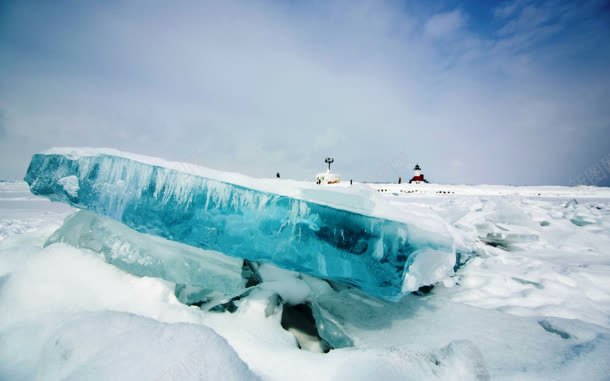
[(370, 253)]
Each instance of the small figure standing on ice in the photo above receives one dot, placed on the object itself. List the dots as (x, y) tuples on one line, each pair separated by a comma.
[(277, 175)]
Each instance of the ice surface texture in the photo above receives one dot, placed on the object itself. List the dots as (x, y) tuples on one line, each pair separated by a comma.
[(370, 253), (217, 275)]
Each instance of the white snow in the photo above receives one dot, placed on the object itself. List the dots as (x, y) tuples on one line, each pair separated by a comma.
[(67, 314), (70, 184), (83, 347), (287, 284), (420, 269), (21, 212)]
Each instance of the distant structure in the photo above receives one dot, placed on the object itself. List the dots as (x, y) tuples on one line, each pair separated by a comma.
[(328, 177), (418, 177)]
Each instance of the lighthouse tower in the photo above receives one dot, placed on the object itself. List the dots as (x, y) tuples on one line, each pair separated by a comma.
[(418, 177)]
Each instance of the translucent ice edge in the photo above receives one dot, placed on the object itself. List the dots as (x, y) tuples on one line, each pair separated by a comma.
[(371, 253)]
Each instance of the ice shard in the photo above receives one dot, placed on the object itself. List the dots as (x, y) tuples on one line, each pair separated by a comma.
[(370, 253), (213, 275)]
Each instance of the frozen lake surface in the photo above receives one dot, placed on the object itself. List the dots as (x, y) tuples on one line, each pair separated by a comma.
[(530, 300)]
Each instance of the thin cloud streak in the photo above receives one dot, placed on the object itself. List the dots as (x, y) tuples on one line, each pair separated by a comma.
[(445, 24)]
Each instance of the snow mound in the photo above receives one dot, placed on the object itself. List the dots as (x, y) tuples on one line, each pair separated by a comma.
[(83, 346)]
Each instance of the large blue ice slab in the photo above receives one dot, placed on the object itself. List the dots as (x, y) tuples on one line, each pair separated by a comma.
[(370, 253)]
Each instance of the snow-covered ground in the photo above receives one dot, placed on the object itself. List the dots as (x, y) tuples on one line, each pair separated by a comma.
[(438, 190), (531, 300)]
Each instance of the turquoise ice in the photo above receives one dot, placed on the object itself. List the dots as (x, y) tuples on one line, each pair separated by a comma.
[(208, 276), (373, 254)]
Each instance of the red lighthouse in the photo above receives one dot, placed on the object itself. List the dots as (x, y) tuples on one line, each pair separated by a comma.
[(418, 177)]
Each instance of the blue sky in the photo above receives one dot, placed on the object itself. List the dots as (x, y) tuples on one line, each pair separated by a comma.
[(509, 92)]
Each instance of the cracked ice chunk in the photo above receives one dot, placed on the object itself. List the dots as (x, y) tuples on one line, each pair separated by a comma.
[(496, 342), (501, 222), (506, 235), (158, 198), (581, 215), (144, 255)]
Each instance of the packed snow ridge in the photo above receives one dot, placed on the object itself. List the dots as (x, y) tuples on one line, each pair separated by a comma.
[(341, 234)]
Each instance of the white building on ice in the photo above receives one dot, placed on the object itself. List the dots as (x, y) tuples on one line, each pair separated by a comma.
[(328, 177)]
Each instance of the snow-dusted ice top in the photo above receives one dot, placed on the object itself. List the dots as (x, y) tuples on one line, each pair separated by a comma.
[(347, 234), (360, 199)]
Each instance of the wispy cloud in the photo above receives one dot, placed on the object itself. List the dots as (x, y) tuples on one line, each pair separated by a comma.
[(510, 7), (525, 23), (445, 24)]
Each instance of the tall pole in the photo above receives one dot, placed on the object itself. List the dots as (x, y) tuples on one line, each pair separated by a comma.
[(328, 161)]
